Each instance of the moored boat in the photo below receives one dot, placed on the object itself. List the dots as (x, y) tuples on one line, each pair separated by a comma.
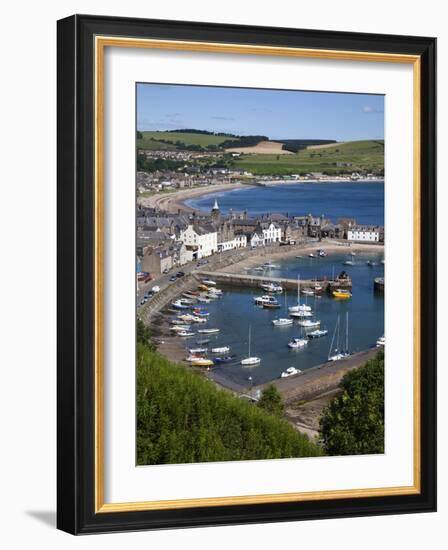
[(208, 331), (308, 323), (318, 333), (282, 322), (223, 349), (342, 293), (381, 342), (290, 371), (202, 362), (297, 343), (250, 361)]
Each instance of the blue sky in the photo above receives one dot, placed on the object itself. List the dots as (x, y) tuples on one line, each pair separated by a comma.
[(276, 113)]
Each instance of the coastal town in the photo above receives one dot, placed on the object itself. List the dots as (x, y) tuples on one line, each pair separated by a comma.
[(260, 271), (166, 240)]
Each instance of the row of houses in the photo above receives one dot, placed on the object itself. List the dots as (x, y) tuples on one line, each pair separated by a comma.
[(165, 241)]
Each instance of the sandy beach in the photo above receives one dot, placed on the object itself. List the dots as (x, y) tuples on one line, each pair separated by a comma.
[(175, 202)]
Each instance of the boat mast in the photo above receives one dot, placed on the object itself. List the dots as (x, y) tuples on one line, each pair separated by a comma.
[(332, 339), (249, 339)]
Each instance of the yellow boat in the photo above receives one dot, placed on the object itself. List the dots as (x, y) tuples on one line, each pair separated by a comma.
[(203, 288), (340, 293), (202, 362)]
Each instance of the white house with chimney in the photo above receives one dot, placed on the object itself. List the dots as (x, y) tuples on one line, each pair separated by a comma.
[(202, 239), (272, 232)]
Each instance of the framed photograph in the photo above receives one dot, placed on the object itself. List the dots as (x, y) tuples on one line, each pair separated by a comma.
[(247, 274)]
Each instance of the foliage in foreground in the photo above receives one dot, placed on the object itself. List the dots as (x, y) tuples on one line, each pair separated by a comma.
[(353, 423), (184, 418)]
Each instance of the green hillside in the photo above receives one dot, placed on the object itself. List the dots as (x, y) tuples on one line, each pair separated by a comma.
[(187, 139), (360, 155), (184, 418)]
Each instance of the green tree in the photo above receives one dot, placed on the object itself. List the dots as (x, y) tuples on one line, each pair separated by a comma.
[(271, 401), (353, 422)]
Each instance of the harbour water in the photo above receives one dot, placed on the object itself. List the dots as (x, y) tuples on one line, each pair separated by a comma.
[(235, 312), (362, 201)]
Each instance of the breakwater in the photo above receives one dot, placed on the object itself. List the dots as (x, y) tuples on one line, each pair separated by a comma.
[(236, 279)]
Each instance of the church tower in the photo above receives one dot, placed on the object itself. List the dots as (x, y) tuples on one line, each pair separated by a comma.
[(216, 215)]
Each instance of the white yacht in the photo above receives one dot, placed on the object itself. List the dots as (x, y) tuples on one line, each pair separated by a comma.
[(290, 371), (250, 361), (282, 322), (297, 343)]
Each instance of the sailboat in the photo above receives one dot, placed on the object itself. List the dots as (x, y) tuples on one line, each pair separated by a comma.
[(299, 307), (282, 321), (249, 360), (339, 354)]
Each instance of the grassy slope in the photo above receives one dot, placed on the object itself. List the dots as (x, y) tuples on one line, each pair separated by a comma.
[(188, 139), (364, 155), (183, 418)]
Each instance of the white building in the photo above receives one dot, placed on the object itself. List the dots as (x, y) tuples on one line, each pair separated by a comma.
[(272, 232), (203, 238), (364, 233), (256, 239), (239, 241)]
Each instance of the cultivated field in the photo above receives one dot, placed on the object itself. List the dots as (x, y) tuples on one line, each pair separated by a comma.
[(263, 148), (345, 157)]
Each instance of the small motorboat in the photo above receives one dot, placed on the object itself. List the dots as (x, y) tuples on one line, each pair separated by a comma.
[(215, 291), (339, 355), (299, 307), (290, 371), (185, 333), (203, 288), (297, 343), (221, 360), (202, 362), (348, 262), (300, 314), (307, 291), (311, 255), (208, 282), (223, 349), (192, 358), (271, 287), (266, 299), (272, 305), (381, 342), (318, 333), (342, 294), (308, 323), (194, 351), (179, 305), (179, 328), (322, 253), (282, 322), (208, 330)]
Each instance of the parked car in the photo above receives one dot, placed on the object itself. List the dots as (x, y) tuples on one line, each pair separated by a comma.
[(180, 274), (173, 278), (165, 270)]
